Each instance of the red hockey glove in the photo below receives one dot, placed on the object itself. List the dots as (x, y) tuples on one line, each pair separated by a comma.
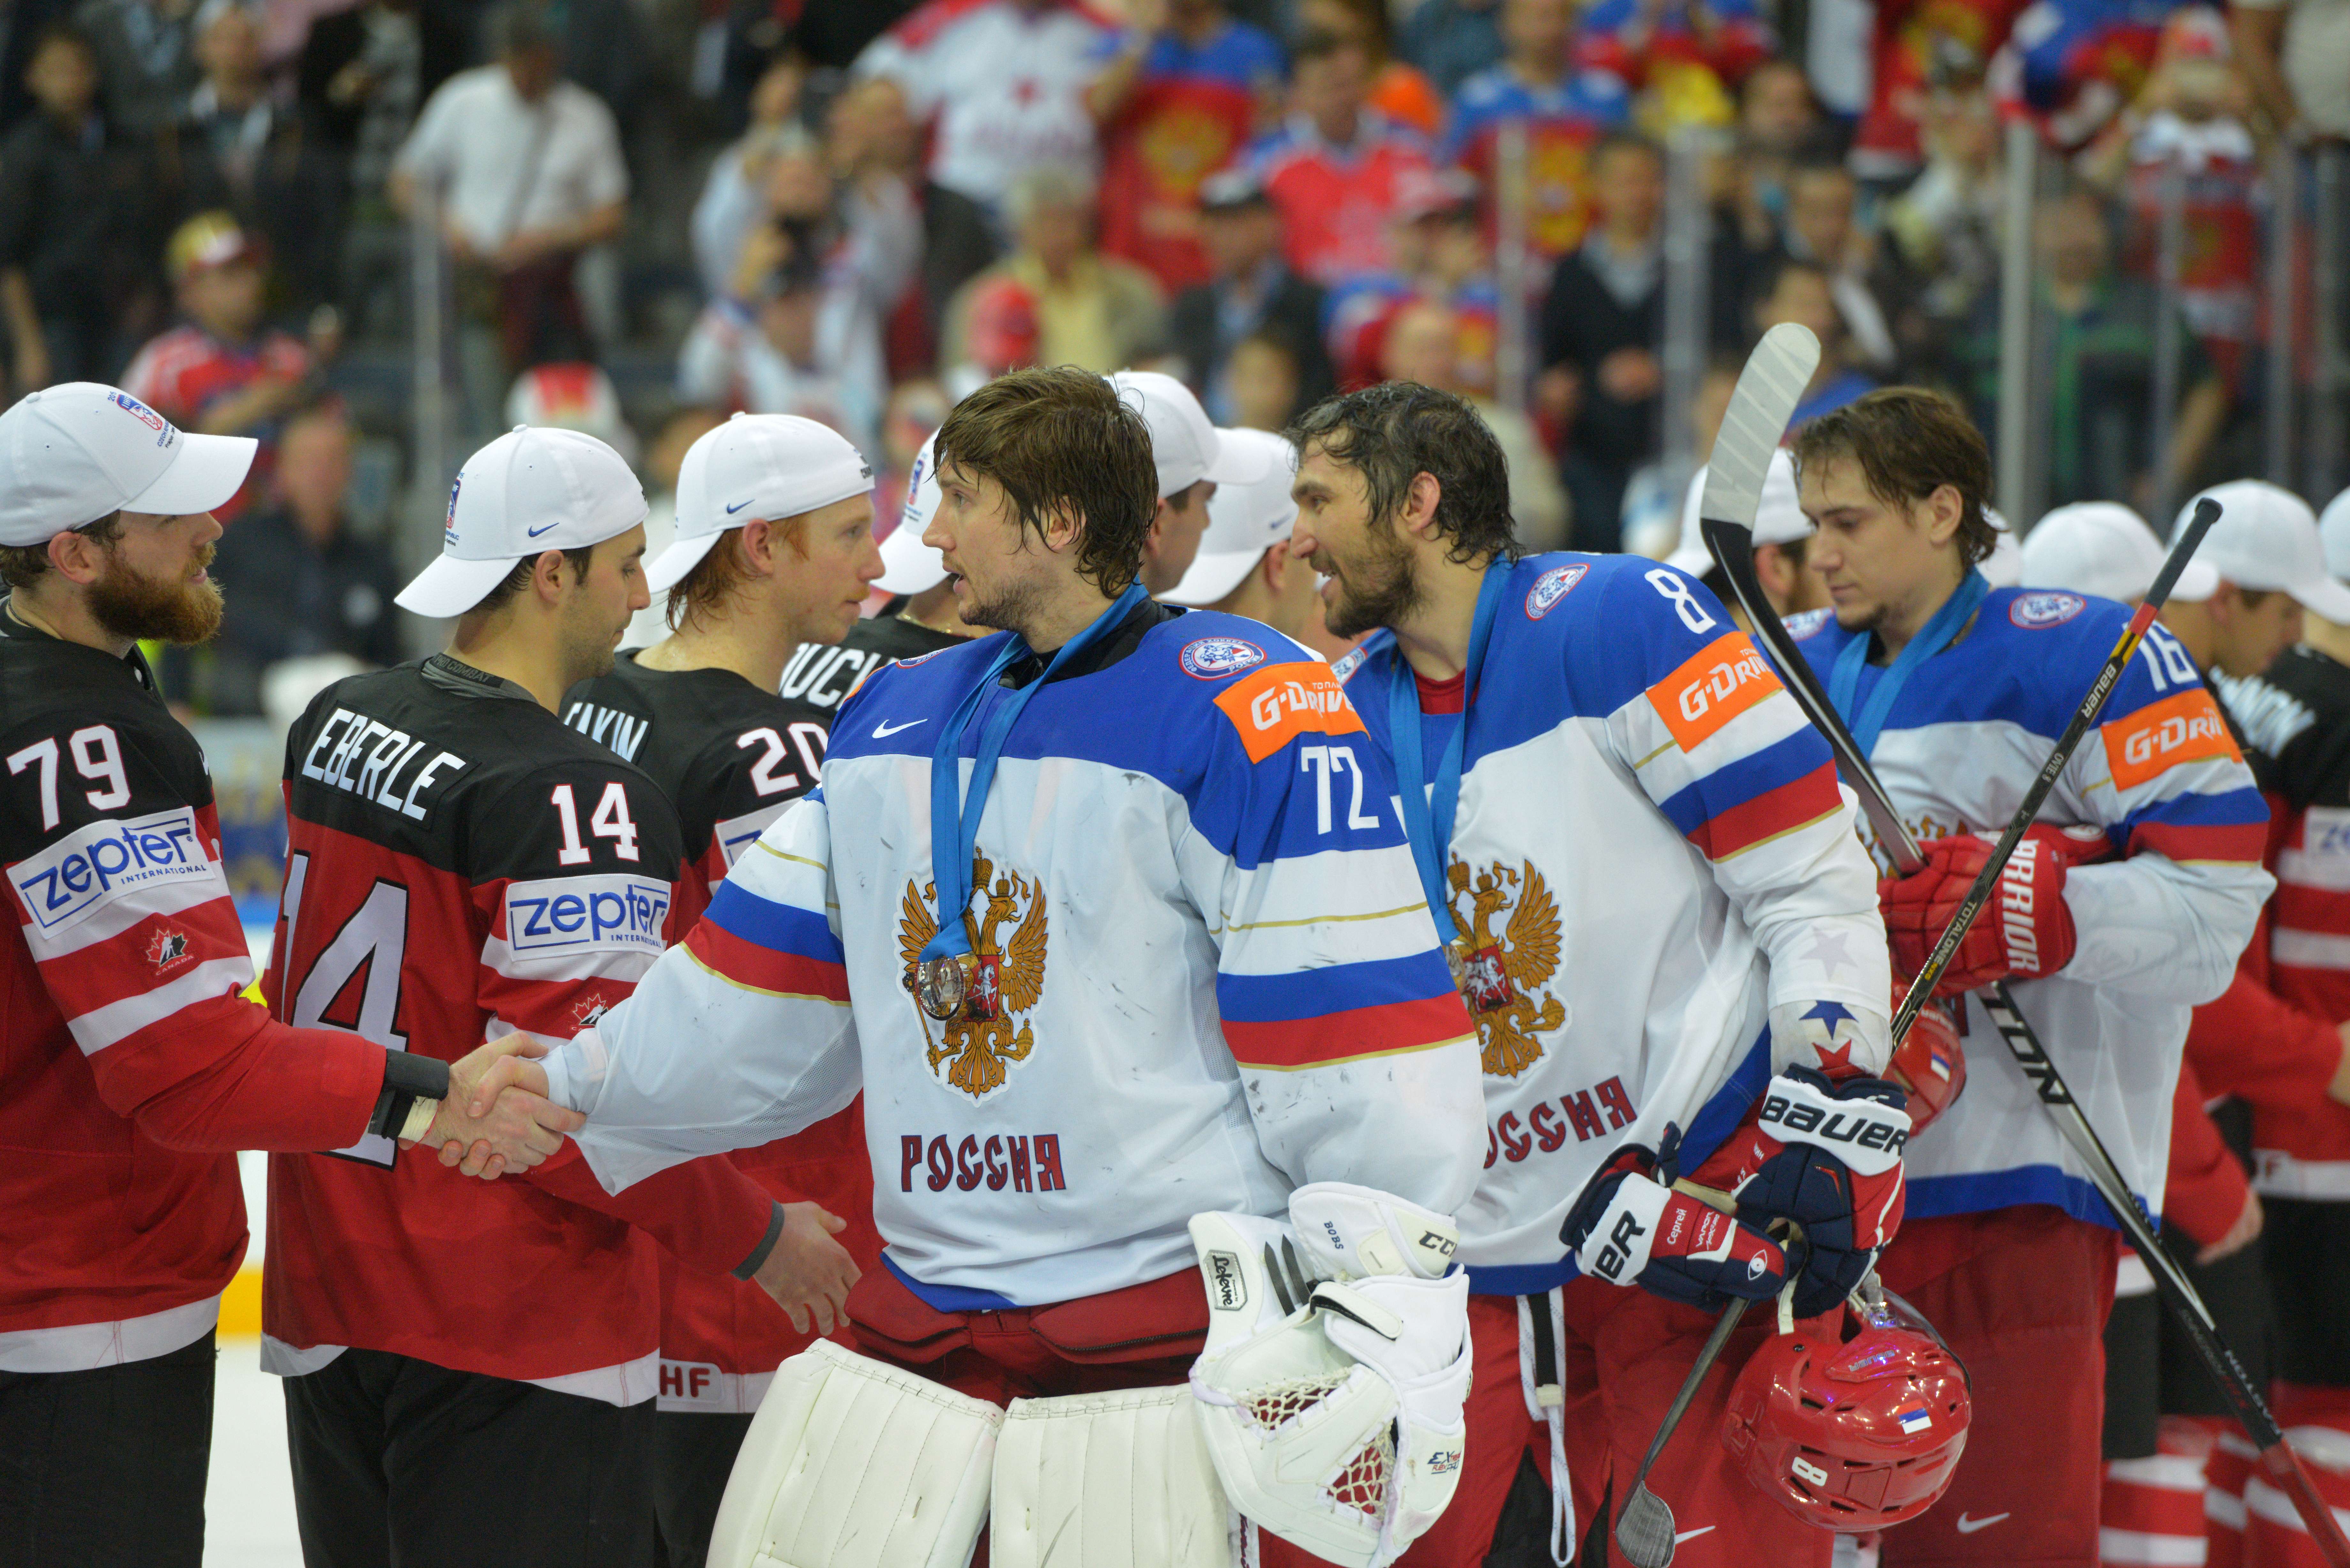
[(1929, 1065), (1630, 1226), (1827, 1156), (2024, 929)]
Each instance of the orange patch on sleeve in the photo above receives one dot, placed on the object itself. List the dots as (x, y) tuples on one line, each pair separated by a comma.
[(1723, 680), (1273, 706), (2180, 729)]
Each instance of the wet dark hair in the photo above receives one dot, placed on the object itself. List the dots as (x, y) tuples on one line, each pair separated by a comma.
[(1396, 430), (1910, 442)]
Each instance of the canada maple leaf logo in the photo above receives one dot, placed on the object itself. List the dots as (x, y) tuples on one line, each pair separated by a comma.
[(590, 1009), (168, 948)]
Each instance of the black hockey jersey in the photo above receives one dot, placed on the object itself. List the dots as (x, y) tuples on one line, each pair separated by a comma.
[(819, 676)]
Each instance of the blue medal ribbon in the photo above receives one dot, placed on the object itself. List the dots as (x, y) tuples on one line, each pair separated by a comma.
[(955, 814), (1937, 634), (1428, 823)]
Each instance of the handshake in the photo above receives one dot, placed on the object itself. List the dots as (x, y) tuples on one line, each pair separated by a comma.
[(497, 1116)]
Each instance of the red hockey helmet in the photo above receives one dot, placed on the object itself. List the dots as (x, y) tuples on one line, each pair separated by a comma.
[(1929, 1063), (1856, 1432)]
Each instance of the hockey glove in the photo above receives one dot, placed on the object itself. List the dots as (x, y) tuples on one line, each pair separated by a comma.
[(1827, 1156), (1630, 1226), (2025, 931)]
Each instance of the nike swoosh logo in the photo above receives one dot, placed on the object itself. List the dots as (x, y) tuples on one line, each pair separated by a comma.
[(1693, 1535), (1968, 1526), (883, 732), (739, 505), (535, 532)]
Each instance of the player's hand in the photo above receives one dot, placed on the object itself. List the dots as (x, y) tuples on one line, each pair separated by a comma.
[(2023, 931), (808, 1272), (1631, 1227), (486, 1130), (2241, 1235)]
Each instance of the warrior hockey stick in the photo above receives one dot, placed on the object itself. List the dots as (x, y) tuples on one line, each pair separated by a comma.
[(1645, 1528), (1738, 454)]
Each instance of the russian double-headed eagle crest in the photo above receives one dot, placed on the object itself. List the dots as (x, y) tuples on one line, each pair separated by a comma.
[(1504, 978), (980, 1040)]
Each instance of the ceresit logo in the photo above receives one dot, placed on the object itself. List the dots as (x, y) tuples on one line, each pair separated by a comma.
[(2180, 729), (1807, 624), (2034, 611), (1723, 680), (1279, 703), (93, 866), (1213, 657), (579, 914), (1550, 587)]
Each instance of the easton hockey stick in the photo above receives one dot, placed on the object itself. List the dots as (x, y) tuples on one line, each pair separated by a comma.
[(1737, 455)]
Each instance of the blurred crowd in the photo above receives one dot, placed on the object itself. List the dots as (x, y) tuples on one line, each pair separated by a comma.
[(649, 213)]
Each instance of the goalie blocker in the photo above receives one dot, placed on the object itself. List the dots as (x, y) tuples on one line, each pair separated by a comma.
[(1325, 1409)]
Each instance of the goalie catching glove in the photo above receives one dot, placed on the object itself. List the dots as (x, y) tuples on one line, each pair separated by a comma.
[(2026, 928), (1337, 1364)]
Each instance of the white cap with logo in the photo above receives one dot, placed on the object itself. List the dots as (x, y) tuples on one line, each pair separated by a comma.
[(1183, 444), (1779, 521), (909, 565), (74, 454), (2266, 539), (768, 466), (2102, 548), (2333, 533), (533, 489), (1244, 521)]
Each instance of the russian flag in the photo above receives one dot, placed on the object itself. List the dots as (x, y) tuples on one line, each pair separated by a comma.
[(1913, 1420)]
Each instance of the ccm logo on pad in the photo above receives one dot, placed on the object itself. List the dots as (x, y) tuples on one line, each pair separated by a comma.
[(577, 914), (89, 869), (2180, 729), (1275, 705)]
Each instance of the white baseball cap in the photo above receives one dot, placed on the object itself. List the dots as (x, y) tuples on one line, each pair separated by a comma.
[(1779, 521), (770, 466), (530, 490), (1244, 521), (1183, 444), (2266, 538), (909, 565), (2102, 548), (2333, 533), (79, 452)]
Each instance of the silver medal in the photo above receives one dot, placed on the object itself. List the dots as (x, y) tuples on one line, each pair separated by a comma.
[(945, 982)]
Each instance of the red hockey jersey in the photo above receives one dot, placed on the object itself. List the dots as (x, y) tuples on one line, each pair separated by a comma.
[(460, 864)]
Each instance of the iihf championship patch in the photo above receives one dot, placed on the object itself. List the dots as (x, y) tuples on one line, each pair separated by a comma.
[(1213, 657), (2034, 611), (1552, 586), (1913, 1420), (1807, 624)]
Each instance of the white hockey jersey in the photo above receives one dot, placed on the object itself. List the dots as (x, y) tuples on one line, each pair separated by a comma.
[(1652, 851), (2160, 926), (1203, 978)]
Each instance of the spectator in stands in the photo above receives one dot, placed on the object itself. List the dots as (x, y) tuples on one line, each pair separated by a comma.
[(297, 582), (1262, 384), (146, 59), (528, 174), (1873, 294), (1438, 245), (1601, 329), (872, 138), (1683, 55), (1002, 83), (1090, 310), (363, 73), (1802, 292), (23, 24), (1250, 291), (761, 353), (1779, 124), (236, 148), (734, 195), (1398, 89), (1452, 40), (1565, 109), (1186, 93), (2297, 54), (1946, 221), (2098, 412), (77, 224), (1333, 166), (222, 371), (1424, 344)]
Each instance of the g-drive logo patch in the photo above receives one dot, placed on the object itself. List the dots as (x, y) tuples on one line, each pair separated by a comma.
[(90, 869), (581, 914)]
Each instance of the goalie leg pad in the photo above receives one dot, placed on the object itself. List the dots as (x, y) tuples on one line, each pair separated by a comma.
[(1120, 1479), (853, 1463)]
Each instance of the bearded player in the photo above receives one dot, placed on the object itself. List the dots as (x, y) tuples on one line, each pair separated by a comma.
[(1182, 973), (2125, 907), (1661, 911)]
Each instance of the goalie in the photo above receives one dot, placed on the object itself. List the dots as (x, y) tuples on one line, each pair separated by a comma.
[(1192, 976)]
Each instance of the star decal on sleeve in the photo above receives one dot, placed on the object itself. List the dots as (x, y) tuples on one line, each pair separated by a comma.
[(1832, 951), (1830, 1013)]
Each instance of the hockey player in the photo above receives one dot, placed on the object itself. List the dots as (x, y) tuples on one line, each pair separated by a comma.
[(1245, 566), (1622, 773), (773, 550), (1781, 536), (2127, 907), (460, 866), (1192, 458), (134, 1067), (1197, 974)]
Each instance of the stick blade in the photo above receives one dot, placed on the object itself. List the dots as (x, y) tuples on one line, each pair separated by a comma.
[(1645, 1531), (1768, 390)]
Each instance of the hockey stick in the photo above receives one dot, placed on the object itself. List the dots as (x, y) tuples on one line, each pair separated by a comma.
[(1645, 1528), (1738, 457)]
